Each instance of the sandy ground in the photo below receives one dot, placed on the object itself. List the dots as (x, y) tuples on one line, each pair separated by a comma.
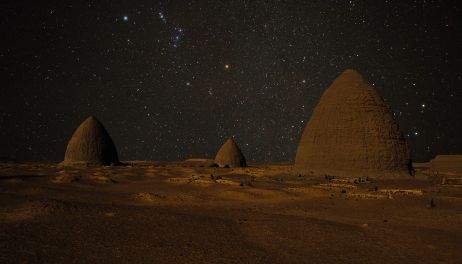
[(160, 212)]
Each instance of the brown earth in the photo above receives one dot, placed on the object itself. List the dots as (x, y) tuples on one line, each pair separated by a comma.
[(167, 212)]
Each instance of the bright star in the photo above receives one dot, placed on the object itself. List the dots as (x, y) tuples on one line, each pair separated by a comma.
[(125, 18), (162, 17), (227, 66)]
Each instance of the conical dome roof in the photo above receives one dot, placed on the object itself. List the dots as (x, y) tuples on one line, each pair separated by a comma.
[(90, 145), (352, 132), (230, 155)]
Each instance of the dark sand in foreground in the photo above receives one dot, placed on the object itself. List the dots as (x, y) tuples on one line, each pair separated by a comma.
[(160, 212)]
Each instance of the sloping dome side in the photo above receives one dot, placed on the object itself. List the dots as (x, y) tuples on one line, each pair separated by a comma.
[(230, 155), (352, 133), (91, 145)]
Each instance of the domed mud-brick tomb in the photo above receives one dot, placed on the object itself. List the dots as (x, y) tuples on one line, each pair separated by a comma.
[(230, 155), (90, 145), (352, 133)]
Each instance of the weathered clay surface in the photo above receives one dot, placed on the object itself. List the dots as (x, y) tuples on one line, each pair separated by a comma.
[(90, 145), (197, 162), (447, 163), (230, 155), (352, 132)]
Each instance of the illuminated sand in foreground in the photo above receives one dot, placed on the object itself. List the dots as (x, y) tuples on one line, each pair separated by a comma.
[(171, 212)]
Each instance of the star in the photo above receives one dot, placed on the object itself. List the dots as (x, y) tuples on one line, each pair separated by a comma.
[(177, 36), (281, 72), (162, 17)]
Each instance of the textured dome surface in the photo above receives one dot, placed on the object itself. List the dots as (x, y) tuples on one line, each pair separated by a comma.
[(352, 132), (230, 155), (90, 145)]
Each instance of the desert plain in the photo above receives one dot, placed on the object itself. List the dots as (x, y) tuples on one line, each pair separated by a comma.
[(183, 212)]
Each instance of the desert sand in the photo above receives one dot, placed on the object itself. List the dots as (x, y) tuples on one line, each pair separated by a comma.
[(174, 212)]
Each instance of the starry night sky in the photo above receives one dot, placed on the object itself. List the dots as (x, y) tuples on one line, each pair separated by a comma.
[(173, 79)]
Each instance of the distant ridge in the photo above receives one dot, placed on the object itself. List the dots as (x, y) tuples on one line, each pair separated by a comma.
[(447, 163)]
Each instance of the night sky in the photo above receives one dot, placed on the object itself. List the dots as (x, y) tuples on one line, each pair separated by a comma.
[(173, 79)]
